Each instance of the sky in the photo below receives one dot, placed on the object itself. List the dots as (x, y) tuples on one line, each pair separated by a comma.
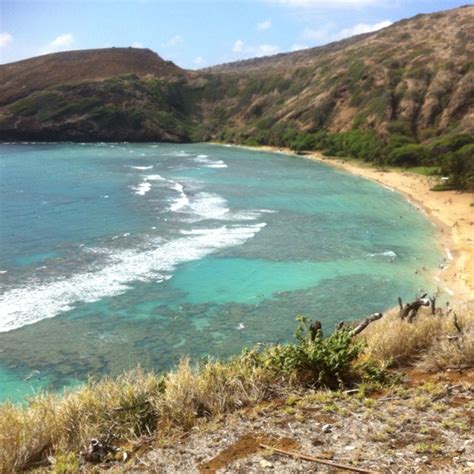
[(194, 34)]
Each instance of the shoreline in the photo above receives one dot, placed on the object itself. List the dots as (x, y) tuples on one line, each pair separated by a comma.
[(449, 211)]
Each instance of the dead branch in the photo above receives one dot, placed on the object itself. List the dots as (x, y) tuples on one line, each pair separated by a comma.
[(316, 330), (410, 310), (318, 460), (339, 325), (387, 399), (456, 324), (358, 329)]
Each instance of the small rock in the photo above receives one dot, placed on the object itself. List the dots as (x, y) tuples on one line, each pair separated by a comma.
[(265, 464), (326, 428)]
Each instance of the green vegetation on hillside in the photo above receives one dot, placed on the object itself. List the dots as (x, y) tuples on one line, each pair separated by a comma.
[(451, 155)]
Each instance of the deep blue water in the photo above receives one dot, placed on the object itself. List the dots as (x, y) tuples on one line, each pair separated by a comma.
[(115, 255)]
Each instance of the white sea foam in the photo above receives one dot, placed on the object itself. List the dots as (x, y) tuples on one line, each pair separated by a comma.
[(142, 188), (33, 302), (145, 185), (208, 163), (181, 153), (388, 253), (207, 206), (155, 177), (181, 201), (143, 168)]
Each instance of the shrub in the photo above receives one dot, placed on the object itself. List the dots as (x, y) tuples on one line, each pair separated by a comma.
[(459, 165), (363, 144), (446, 144), (323, 362), (303, 141), (408, 155)]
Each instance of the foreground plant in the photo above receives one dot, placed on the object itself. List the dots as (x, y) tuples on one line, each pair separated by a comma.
[(100, 420)]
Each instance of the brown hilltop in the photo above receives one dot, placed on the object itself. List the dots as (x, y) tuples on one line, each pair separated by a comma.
[(24, 77)]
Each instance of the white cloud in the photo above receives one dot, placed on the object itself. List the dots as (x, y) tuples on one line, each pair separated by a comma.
[(362, 28), (199, 61), (298, 47), (264, 25), (5, 39), (244, 51), (263, 50), (174, 41), (238, 46), (326, 34), (60, 43), (137, 44)]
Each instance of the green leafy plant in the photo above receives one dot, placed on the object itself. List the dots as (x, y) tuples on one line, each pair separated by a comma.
[(323, 362)]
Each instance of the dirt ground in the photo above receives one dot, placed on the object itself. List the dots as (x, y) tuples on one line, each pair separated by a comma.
[(423, 424)]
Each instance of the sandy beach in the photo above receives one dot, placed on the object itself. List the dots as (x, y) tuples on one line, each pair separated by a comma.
[(450, 211)]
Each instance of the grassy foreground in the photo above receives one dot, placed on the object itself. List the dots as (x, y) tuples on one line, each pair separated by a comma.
[(55, 431)]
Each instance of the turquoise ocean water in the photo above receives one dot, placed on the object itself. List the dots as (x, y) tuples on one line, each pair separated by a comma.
[(114, 255)]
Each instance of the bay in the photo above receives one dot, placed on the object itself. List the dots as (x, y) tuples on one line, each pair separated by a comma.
[(118, 255)]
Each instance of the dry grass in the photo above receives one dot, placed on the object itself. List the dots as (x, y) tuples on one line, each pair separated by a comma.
[(431, 341), (54, 423), (138, 404), (126, 408), (215, 389)]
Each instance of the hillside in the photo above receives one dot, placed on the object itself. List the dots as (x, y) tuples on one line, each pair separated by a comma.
[(21, 78), (409, 84), (84, 95), (393, 395), (415, 77)]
